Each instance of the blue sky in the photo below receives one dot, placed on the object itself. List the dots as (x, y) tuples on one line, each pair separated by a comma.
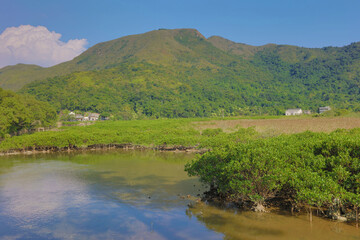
[(315, 23)]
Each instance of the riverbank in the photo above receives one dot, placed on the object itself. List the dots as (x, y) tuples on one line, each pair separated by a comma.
[(112, 186), (315, 170), (301, 171), (102, 147), (170, 133), (165, 134), (283, 206)]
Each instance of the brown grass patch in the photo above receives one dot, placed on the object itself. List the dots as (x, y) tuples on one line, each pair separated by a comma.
[(284, 125)]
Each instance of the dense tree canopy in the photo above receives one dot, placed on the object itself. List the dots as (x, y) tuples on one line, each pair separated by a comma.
[(267, 84), (306, 169), (23, 112)]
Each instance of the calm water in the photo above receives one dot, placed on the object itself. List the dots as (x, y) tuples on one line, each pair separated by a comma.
[(129, 195)]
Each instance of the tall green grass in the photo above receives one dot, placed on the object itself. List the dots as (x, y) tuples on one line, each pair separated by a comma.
[(169, 132)]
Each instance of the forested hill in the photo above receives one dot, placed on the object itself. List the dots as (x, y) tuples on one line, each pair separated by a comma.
[(180, 73), (166, 47)]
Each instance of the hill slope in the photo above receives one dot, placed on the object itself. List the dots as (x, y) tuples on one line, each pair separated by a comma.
[(167, 47), (14, 77), (179, 73)]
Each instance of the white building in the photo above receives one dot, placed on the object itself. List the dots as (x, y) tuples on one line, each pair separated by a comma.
[(94, 116), (293, 111), (79, 117), (324, 109)]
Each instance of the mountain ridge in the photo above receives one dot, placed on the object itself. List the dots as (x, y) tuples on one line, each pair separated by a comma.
[(157, 46), (110, 53), (180, 73)]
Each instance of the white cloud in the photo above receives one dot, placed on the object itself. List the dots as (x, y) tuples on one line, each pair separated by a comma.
[(36, 45)]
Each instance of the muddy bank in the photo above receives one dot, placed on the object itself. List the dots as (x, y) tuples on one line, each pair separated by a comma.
[(126, 146), (278, 204)]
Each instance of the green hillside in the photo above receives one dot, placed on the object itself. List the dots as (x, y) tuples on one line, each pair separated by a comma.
[(241, 49), (161, 47), (180, 73), (13, 77)]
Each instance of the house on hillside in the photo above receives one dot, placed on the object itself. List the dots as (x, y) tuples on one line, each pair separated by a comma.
[(79, 117), (87, 117), (94, 116), (70, 117), (324, 109), (293, 111), (308, 112)]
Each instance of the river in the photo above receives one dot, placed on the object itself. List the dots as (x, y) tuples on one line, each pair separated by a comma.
[(130, 195)]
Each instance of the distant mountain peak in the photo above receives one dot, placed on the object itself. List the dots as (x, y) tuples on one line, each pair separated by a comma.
[(185, 47), (19, 66)]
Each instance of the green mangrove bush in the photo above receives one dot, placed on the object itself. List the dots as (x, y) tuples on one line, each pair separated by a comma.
[(307, 169)]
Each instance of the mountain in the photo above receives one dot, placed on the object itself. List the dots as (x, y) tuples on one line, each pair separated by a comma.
[(235, 48), (14, 77), (180, 73), (166, 47), (287, 53)]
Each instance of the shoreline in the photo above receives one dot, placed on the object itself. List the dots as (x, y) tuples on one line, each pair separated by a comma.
[(126, 146), (209, 197), (277, 204)]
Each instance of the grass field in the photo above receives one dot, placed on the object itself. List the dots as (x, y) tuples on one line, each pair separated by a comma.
[(283, 125), (203, 133)]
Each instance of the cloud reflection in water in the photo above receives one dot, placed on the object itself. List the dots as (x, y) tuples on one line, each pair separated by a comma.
[(62, 199)]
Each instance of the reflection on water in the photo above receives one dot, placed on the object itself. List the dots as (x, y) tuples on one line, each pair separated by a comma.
[(35, 192), (98, 195), (251, 225), (128, 195)]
